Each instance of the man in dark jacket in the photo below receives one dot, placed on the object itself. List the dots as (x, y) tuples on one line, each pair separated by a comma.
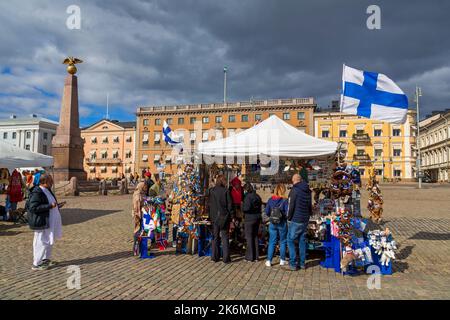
[(252, 218), (220, 211), (45, 219), (299, 211)]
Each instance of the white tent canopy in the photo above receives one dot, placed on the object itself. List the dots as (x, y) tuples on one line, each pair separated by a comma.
[(12, 157), (272, 137)]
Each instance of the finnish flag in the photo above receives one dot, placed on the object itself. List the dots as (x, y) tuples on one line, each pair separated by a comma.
[(169, 136), (372, 95)]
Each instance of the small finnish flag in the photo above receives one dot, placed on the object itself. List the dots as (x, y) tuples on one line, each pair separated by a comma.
[(169, 136), (372, 95)]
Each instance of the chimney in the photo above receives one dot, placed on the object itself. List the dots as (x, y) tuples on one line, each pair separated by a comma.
[(13, 116)]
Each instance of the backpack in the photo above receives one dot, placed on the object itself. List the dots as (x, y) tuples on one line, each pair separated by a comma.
[(276, 215)]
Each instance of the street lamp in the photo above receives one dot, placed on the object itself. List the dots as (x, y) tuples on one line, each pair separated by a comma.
[(419, 156)]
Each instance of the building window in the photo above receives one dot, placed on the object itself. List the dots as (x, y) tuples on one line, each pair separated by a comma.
[(360, 152), (396, 132), (105, 140), (377, 132), (342, 133), (45, 135), (93, 155), (359, 131), (128, 155), (232, 118), (258, 117), (104, 155), (378, 152), (44, 149), (244, 118), (218, 119), (128, 139), (27, 147), (192, 120), (116, 139), (286, 116), (145, 139), (116, 155), (169, 120), (157, 122), (103, 170), (14, 135), (397, 152), (300, 116), (205, 119), (5, 135), (379, 172), (397, 173), (28, 134), (180, 120), (271, 114), (325, 134), (157, 139), (145, 122)]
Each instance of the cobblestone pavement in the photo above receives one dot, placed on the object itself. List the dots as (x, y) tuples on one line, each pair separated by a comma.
[(97, 238)]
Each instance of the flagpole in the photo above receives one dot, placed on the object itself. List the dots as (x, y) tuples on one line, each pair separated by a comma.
[(419, 157), (224, 86)]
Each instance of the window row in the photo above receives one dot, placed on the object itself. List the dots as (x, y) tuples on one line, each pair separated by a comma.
[(104, 169), (115, 139), (27, 135), (376, 133), (104, 154), (219, 119)]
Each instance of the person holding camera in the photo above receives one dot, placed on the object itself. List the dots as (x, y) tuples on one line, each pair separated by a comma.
[(45, 219)]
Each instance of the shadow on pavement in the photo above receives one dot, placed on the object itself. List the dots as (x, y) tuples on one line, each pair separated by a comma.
[(5, 229), (430, 236), (74, 216), (105, 258)]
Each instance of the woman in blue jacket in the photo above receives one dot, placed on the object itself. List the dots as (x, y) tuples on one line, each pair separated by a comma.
[(277, 206)]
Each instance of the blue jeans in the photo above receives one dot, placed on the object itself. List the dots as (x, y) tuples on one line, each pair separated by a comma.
[(297, 231), (277, 232)]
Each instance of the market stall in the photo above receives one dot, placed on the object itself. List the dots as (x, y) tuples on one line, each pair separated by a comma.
[(277, 150)]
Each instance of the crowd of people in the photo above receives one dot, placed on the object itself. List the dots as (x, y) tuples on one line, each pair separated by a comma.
[(287, 218)]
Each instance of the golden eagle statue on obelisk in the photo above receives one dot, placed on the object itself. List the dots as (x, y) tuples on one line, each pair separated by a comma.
[(71, 62)]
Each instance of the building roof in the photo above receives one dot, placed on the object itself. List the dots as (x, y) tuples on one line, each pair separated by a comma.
[(32, 119), (123, 124), (217, 107)]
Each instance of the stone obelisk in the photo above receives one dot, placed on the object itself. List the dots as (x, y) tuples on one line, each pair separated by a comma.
[(67, 144)]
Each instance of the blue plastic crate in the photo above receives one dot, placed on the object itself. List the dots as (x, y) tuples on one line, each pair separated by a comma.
[(384, 270), (144, 248)]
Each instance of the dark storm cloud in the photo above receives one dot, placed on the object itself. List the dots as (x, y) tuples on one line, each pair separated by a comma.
[(158, 52)]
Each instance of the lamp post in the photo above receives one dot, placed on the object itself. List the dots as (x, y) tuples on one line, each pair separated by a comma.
[(419, 156), (224, 86)]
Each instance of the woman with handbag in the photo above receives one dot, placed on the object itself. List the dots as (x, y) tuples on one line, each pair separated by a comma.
[(276, 210), (220, 210), (252, 219)]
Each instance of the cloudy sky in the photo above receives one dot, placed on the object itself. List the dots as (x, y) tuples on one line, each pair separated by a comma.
[(173, 51)]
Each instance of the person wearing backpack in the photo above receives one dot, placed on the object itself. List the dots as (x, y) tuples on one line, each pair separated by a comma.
[(276, 211), (252, 218)]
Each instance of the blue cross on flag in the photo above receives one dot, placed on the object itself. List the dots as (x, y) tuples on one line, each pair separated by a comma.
[(372, 95), (171, 138)]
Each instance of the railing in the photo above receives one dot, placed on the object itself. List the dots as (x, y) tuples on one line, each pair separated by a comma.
[(103, 161), (206, 106), (361, 157), (361, 137)]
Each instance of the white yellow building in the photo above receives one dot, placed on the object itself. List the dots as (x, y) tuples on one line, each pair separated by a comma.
[(435, 146), (389, 149), (109, 149)]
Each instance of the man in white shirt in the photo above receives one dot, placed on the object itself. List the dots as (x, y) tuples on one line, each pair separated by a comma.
[(45, 219)]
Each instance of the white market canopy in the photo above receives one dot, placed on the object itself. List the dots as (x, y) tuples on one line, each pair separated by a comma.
[(272, 137), (12, 157)]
